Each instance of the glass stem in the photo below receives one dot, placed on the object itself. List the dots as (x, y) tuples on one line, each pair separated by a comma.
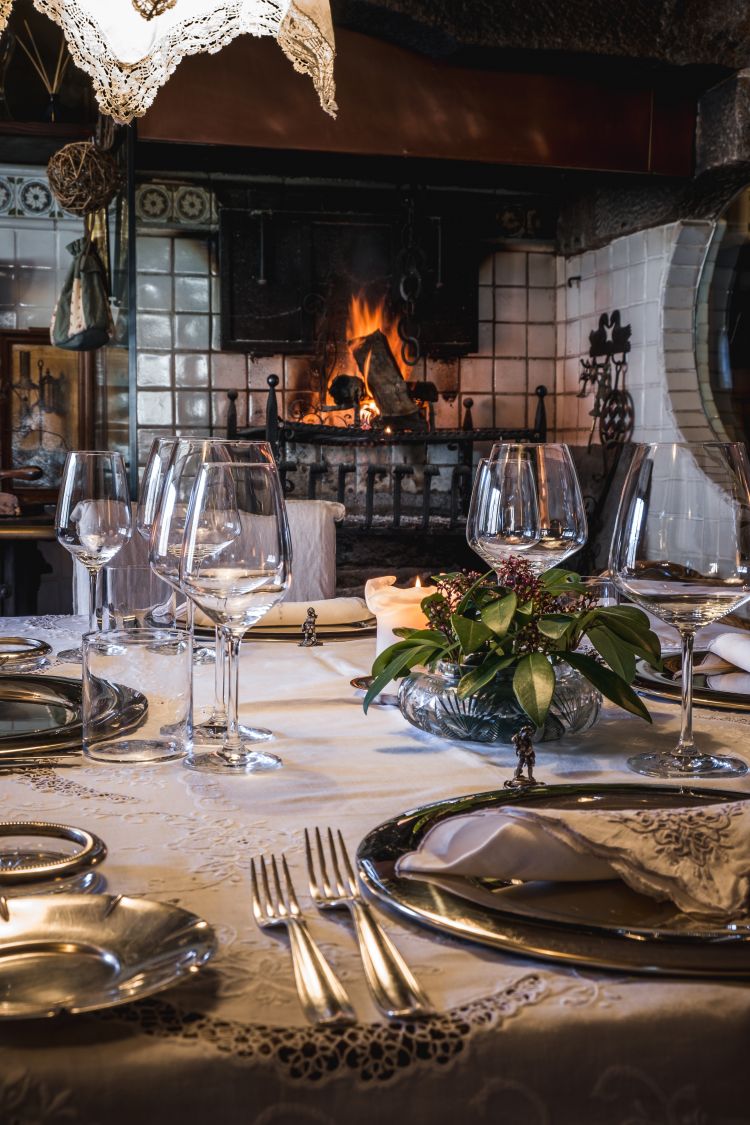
[(220, 710), (93, 589), (232, 748), (686, 746)]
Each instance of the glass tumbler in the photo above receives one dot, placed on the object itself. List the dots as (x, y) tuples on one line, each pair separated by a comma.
[(122, 670)]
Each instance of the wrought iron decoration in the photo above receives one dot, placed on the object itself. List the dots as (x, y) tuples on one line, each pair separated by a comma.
[(603, 372)]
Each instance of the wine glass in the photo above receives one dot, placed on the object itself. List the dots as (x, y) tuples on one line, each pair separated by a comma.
[(527, 501), (159, 460), (166, 545), (681, 551), (93, 520), (236, 565)]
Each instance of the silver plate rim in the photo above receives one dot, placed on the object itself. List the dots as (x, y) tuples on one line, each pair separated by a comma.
[(657, 686), (683, 955), (205, 945)]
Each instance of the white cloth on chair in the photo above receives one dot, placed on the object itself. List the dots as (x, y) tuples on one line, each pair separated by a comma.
[(312, 526)]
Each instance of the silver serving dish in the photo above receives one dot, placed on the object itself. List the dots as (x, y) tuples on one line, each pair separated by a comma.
[(70, 953), (602, 925), (345, 631), (665, 686), (43, 714)]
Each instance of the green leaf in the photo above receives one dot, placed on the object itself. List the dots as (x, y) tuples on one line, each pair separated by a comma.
[(471, 634), (473, 681), (641, 639), (402, 663), (558, 581), (389, 654), (498, 615), (614, 650), (609, 684), (630, 613), (555, 625), (534, 686), (431, 635)]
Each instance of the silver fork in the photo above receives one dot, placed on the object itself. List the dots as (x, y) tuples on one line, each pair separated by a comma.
[(321, 993), (391, 982)]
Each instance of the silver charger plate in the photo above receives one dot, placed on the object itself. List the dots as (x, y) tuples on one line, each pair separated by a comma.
[(665, 687), (346, 631), (43, 714), (71, 953), (601, 925)]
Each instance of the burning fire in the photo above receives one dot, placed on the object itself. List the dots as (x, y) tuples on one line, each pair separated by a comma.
[(364, 318)]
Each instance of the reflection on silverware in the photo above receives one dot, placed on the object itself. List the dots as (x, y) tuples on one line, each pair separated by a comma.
[(70, 953), (391, 982), (323, 997), (385, 699), (41, 714), (17, 866)]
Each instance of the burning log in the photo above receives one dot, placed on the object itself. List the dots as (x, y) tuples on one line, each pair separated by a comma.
[(386, 384)]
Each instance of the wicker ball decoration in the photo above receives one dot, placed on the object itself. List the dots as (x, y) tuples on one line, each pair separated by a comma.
[(82, 178)]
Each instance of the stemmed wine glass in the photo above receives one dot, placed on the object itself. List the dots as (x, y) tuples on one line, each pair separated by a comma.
[(93, 519), (681, 551), (526, 501), (236, 565), (154, 474)]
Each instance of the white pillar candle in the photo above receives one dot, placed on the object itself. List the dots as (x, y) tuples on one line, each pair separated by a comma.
[(395, 608)]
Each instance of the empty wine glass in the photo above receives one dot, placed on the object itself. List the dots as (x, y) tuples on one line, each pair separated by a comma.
[(527, 501), (681, 550), (160, 458), (236, 565), (93, 520)]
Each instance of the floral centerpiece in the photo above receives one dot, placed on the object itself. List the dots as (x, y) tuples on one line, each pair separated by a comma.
[(509, 635)]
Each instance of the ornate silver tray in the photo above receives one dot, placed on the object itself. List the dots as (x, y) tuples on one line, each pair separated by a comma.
[(601, 925), (70, 953), (42, 714), (665, 686)]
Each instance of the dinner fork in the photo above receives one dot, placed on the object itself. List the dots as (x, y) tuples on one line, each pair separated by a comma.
[(392, 984), (321, 993)]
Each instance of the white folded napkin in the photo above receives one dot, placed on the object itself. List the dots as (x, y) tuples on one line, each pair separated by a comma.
[(734, 649), (333, 611), (698, 857)]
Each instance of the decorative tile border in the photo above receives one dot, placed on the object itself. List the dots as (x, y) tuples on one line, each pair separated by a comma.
[(28, 197), (182, 205)]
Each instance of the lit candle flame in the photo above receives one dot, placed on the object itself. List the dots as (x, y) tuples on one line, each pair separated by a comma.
[(418, 583)]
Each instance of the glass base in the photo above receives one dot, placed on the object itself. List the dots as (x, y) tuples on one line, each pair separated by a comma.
[(216, 729), (203, 655), (214, 761), (136, 750), (71, 655), (699, 765)]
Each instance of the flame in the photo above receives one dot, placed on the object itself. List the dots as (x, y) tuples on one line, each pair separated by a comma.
[(418, 584), (365, 317)]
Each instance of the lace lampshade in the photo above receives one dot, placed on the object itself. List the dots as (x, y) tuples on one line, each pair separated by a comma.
[(129, 48)]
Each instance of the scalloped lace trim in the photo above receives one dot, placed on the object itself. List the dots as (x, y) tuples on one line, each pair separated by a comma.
[(126, 91), (304, 43), (5, 7), (371, 1054)]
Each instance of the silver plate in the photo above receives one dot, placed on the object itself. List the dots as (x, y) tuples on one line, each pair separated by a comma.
[(42, 714), (346, 631), (601, 925), (664, 686), (70, 953)]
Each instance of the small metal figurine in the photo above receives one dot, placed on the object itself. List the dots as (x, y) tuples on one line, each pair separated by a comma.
[(526, 760), (309, 631)]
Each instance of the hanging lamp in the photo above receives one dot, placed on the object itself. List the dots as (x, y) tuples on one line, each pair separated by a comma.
[(130, 48)]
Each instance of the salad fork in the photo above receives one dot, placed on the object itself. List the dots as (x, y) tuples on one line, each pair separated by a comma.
[(321, 993), (392, 984)]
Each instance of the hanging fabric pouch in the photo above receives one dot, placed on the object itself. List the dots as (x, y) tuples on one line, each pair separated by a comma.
[(82, 319)]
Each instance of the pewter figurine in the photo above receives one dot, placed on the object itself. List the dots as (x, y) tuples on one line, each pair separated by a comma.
[(309, 631), (526, 759)]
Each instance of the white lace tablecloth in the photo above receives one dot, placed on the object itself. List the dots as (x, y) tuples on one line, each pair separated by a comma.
[(517, 1041)]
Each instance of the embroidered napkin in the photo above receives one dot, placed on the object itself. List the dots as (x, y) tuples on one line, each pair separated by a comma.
[(698, 857)]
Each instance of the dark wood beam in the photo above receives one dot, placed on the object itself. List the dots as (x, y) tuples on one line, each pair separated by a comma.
[(394, 102)]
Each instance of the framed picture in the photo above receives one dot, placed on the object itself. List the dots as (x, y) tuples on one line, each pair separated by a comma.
[(46, 409)]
